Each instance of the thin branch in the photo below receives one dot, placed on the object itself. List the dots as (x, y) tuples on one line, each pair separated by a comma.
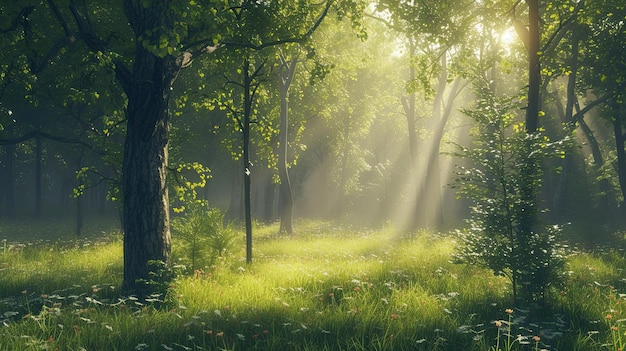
[(38, 133), (91, 39), (581, 113), (294, 39), (59, 16), (20, 18), (559, 33)]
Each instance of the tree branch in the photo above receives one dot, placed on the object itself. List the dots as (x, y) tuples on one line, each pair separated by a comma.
[(38, 133), (20, 18), (93, 42), (291, 40)]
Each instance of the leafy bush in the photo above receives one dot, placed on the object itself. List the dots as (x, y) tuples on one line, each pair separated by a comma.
[(504, 234), (202, 236)]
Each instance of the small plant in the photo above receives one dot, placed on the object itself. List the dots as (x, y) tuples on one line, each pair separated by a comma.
[(505, 339), (203, 235)]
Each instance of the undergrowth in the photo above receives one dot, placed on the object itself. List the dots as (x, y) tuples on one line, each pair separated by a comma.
[(326, 288)]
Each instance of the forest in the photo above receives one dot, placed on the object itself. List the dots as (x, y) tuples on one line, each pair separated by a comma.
[(312, 174)]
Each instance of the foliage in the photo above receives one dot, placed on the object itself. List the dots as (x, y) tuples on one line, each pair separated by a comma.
[(202, 236), (503, 233)]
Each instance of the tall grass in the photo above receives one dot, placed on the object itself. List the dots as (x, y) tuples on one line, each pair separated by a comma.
[(326, 288)]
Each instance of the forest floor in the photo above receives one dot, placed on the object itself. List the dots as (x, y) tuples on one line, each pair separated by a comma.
[(328, 287)]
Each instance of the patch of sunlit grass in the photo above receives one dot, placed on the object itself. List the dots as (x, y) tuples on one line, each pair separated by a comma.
[(326, 287)]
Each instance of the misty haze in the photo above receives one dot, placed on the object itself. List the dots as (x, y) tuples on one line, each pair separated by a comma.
[(313, 175)]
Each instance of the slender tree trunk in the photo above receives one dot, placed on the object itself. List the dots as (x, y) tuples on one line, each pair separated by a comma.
[(567, 118), (80, 218), (247, 82), (621, 153), (286, 197), (78, 199), (9, 182), (534, 68), (433, 193), (344, 171), (607, 202), (408, 103), (38, 176)]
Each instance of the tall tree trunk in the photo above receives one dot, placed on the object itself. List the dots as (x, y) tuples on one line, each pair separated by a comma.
[(247, 101), (529, 167), (567, 118), (534, 68), (146, 208), (288, 70), (606, 203), (408, 103), (433, 169)]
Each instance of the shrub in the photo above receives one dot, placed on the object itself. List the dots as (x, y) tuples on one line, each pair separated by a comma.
[(202, 236), (504, 234)]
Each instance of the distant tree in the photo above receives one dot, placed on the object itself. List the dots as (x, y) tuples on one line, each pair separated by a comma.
[(432, 29), (287, 73)]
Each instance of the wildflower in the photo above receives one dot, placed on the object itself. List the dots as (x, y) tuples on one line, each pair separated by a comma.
[(536, 338), (609, 316), (498, 324), (76, 329), (394, 316), (509, 311), (209, 332), (220, 334), (614, 328), (356, 288)]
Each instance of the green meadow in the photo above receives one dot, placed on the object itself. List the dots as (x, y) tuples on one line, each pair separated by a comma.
[(328, 287)]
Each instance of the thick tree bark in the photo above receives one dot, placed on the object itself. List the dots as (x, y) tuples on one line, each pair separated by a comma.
[(146, 207), (145, 212), (286, 196)]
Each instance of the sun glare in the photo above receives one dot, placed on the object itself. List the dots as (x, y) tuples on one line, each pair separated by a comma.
[(508, 36)]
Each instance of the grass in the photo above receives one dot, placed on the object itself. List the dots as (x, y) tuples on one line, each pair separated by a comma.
[(325, 288)]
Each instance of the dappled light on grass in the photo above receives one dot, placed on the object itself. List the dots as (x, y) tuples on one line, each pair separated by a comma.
[(325, 288)]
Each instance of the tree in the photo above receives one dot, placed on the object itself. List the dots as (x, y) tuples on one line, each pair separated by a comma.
[(287, 72), (432, 29), (262, 27), (148, 88)]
